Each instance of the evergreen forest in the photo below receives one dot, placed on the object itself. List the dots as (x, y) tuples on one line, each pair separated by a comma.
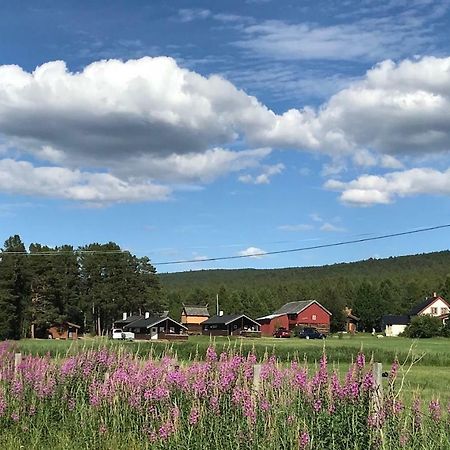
[(92, 285)]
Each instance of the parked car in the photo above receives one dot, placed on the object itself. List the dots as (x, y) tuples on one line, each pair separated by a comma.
[(118, 333), (282, 333), (310, 333)]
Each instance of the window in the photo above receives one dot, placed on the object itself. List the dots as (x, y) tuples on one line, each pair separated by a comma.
[(444, 310), (434, 310), (314, 317)]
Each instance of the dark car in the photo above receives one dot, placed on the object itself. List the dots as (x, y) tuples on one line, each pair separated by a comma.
[(310, 333), (282, 333)]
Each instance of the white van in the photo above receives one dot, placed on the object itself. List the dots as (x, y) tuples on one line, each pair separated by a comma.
[(118, 333)]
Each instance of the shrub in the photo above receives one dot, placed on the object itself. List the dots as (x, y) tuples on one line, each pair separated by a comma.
[(424, 327)]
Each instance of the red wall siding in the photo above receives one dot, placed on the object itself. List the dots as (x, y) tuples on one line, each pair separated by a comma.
[(268, 327), (306, 316)]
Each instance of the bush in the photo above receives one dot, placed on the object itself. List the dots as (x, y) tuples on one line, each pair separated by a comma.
[(424, 327), (445, 331)]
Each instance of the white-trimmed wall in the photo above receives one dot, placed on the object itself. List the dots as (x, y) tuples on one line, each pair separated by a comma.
[(439, 304), (394, 330)]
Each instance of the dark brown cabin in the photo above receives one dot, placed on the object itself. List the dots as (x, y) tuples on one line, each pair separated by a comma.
[(230, 325)]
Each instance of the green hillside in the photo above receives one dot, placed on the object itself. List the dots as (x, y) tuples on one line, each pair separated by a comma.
[(372, 287)]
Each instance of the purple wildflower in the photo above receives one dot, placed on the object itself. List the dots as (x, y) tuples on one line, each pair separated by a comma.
[(303, 440), (193, 416), (360, 360), (435, 410)]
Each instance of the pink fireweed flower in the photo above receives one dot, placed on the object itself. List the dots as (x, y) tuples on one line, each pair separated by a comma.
[(290, 420), (376, 420), (15, 416), (394, 370), (264, 404), (417, 413), (397, 407), (303, 440), (193, 416), (102, 429), (336, 389), (211, 354), (165, 430), (214, 403), (301, 379), (435, 410), (352, 390), (368, 382), (317, 405), (360, 360)]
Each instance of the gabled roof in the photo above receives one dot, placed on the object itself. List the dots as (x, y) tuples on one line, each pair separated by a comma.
[(296, 307), (151, 322), (128, 320), (196, 310), (395, 320), (226, 319), (424, 304)]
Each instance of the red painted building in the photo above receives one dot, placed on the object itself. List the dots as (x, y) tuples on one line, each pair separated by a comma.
[(305, 313)]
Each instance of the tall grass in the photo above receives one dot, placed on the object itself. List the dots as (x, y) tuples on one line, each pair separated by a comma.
[(111, 397)]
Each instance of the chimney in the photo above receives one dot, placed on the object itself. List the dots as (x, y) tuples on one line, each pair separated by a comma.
[(124, 316), (220, 313), (434, 294), (147, 315)]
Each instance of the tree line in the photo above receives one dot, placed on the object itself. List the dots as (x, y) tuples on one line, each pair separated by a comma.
[(90, 286), (372, 288)]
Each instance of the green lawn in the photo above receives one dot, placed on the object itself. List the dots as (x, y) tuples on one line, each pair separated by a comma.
[(430, 375)]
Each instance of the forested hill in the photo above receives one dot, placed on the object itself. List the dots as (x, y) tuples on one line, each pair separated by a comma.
[(372, 287), (428, 265)]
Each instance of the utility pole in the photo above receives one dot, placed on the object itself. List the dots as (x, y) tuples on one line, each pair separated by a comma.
[(217, 304)]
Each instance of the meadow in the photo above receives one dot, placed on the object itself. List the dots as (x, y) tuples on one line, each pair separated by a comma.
[(100, 394), (430, 374)]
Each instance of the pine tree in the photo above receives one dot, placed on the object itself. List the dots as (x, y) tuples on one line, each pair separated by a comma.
[(14, 289)]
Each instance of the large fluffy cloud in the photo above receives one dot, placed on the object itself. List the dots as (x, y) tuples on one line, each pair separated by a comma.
[(368, 190), (115, 110), (57, 182), (148, 121)]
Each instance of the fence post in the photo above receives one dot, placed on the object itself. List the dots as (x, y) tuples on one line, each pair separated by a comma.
[(256, 377), (17, 361), (377, 372)]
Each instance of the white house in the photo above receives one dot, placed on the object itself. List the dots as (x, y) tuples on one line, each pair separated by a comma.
[(435, 306)]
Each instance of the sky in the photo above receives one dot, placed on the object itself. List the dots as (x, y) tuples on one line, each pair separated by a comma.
[(195, 129)]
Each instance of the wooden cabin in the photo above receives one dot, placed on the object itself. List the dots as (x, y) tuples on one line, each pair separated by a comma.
[(230, 325), (157, 327), (193, 317), (63, 330)]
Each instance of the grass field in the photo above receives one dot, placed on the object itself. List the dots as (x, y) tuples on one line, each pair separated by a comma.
[(319, 395), (430, 374)]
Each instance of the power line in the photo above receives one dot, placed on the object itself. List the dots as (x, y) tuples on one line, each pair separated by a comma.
[(224, 258), (312, 247)]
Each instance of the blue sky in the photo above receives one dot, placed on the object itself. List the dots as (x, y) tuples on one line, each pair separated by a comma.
[(186, 130)]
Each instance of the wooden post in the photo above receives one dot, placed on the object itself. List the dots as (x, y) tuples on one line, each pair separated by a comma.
[(256, 377), (377, 370), (17, 361)]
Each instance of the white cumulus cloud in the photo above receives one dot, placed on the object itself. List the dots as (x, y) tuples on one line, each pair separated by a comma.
[(252, 252), (368, 190)]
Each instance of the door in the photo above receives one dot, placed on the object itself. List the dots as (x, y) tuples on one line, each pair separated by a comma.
[(154, 333)]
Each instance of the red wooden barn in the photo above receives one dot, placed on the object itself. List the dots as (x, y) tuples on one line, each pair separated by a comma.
[(308, 313)]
